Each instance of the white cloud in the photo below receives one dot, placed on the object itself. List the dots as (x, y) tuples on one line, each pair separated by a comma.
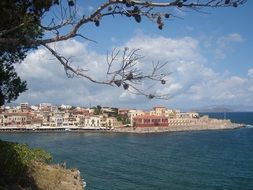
[(47, 80), (219, 89), (224, 44), (191, 83), (250, 72)]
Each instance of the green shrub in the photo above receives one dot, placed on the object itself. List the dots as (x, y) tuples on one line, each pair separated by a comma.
[(15, 159)]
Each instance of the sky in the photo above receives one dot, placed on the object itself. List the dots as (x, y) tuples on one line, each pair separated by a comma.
[(209, 55)]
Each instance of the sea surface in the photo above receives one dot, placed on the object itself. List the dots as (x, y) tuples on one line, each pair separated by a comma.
[(204, 160)]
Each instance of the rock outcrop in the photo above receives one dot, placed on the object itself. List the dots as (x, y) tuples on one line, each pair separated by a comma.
[(54, 177), (25, 168)]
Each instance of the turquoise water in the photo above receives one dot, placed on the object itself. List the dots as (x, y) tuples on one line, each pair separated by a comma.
[(205, 160)]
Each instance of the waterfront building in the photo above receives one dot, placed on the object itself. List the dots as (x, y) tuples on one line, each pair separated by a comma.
[(70, 120), (37, 122), (180, 122), (123, 111), (110, 123), (1, 120), (193, 114), (15, 119), (159, 110), (34, 108), (12, 110), (150, 121), (80, 112), (56, 119), (24, 106), (107, 110), (134, 113), (163, 111), (93, 122), (44, 105)]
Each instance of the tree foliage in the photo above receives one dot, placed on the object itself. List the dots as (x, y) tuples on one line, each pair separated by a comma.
[(10, 84), (22, 29), (97, 110), (20, 20)]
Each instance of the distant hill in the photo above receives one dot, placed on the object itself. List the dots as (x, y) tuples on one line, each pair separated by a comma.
[(225, 108)]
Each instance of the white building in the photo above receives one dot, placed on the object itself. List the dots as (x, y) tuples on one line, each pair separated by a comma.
[(15, 119), (45, 105), (134, 113), (24, 106), (93, 122), (109, 122)]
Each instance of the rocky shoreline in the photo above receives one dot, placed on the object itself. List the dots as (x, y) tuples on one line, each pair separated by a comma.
[(51, 177)]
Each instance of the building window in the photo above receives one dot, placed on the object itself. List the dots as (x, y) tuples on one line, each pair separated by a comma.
[(146, 120)]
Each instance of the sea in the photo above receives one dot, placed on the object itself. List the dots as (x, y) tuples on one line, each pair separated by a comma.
[(202, 160)]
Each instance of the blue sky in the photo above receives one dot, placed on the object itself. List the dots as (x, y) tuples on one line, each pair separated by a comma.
[(210, 56)]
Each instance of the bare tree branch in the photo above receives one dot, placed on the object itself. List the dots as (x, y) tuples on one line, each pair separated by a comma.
[(144, 8), (123, 69), (127, 73)]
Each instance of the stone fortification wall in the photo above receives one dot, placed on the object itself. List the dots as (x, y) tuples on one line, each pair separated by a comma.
[(205, 124)]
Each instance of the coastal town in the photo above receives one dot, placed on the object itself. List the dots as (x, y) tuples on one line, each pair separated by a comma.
[(46, 116)]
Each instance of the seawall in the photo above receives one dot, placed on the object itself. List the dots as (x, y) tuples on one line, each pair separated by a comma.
[(178, 128)]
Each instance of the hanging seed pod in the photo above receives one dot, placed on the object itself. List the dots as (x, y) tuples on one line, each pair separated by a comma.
[(159, 20), (163, 81), (110, 8), (137, 18), (130, 76), (128, 4), (97, 23), (160, 26), (125, 86), (117, 82), (151, 96), (71, 3), (136, 10), (167, 15), (180, 4)]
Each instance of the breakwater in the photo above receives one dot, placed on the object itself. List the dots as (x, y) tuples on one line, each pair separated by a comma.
[(179, 128)]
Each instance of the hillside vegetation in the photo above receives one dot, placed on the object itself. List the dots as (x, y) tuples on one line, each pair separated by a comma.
[(23, 168)]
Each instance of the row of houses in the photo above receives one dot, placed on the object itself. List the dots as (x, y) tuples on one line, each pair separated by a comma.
[(162, 117), (48, 115)]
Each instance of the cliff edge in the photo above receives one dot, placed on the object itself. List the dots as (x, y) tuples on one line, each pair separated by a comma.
[(50, 177), (25, 168)]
